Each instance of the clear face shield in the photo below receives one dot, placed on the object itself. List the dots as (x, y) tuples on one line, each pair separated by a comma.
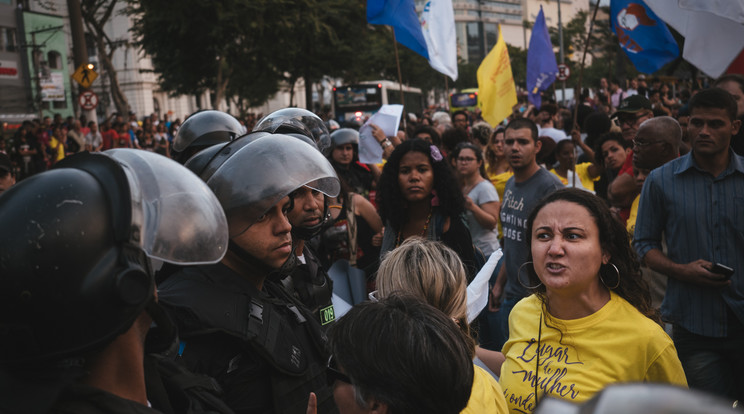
[(261, 173), (299, 119), (175, 216)]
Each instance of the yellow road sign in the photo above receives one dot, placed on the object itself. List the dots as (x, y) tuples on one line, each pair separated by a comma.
[(85, 75)]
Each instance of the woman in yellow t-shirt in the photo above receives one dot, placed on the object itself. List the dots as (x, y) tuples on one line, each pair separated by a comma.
[(589, 322), (586, 173), (498, 169), (433, 272)]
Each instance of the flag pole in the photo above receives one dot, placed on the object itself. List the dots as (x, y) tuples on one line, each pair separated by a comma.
[(577, 91), (400, 76), (446, 91)]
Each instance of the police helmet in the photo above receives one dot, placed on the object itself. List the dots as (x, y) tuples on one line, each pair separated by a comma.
[(300, 121), (76, 246), (202, 130), (249, 179), (344, 136)]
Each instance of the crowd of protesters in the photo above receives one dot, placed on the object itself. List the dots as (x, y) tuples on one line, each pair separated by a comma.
[(622, 239)]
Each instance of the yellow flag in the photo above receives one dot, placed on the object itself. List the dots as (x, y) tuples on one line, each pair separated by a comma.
[(497, 93)]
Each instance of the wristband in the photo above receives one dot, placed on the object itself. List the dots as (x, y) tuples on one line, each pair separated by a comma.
[(385, 143)]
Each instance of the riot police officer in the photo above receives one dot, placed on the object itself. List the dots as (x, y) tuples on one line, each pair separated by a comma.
[(307, 280), (77, 294), (236, 324), (204, 129)]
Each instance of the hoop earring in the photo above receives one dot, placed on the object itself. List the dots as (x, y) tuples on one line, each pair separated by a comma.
[(519, 279), (618, 277)]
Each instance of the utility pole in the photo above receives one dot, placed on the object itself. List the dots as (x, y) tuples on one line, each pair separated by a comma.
[(36, 62), (560, 42), (79, 48)]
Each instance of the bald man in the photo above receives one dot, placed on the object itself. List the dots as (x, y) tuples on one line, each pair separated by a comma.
[(657, 142)]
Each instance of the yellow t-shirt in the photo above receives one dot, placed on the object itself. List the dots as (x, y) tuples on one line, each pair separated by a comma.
[(630, 224), (582, 171), (615, 344), (57, 147), (486, 396), (499, 181)]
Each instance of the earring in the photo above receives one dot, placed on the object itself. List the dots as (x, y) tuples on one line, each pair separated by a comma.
[(519, 278), (618, 278)]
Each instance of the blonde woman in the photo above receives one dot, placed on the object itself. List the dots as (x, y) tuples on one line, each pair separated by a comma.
[(434, 273)]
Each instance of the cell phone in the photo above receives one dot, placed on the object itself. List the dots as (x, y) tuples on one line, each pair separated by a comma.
[(722, 269)]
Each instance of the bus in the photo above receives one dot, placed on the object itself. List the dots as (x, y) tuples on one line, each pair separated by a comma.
[(466, 99), (358, 101)]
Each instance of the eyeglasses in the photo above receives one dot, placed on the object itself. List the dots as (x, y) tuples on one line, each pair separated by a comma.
[(333, 374), (466, 159), (630, 120), (644, 144)]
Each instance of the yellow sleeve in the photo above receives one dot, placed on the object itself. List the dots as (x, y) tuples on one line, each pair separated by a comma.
[(486, 396), (667, 369), (563, 179), (630, 224), (582, 170)]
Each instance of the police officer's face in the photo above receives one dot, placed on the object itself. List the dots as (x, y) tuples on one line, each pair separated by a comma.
[(268, 240), (307, 209), (343, 154)]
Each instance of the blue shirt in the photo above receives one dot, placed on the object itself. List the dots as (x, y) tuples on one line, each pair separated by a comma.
[(702, 217)]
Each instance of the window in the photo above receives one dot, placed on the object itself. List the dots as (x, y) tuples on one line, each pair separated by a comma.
[(8, 39), (54, 60)]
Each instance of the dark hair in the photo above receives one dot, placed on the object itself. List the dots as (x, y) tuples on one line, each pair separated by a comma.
[(521, 123), (478, 155), (731, 77), (715, 98), (551, 109), (390, 199), (562, 143), (460, 112), (451, 137), (428, 129), (596, 124), (610, 136), (614, 239), (387, 348)]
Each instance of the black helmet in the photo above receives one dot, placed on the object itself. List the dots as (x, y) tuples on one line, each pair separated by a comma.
[(76, 242), (291, 121), (249, 179), (204, 129)]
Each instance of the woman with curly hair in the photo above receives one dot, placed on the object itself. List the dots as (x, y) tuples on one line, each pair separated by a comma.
[(589, 322), (418, 195)]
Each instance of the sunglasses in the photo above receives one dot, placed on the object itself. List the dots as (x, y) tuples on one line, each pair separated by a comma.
[(333, 374)]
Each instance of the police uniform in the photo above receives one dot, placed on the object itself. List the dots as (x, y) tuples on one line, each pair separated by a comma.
[(266, 351)]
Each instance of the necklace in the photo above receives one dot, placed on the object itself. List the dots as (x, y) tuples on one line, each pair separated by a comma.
[(423, 233)]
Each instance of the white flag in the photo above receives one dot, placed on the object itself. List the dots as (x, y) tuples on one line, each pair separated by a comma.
[(438, 26), (711, 42)]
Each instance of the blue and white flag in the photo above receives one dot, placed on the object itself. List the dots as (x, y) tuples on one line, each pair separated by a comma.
[(401, 15), (433, 37), (643, 36), (541, 65)]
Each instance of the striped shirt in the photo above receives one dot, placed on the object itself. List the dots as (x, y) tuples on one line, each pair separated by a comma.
[(702, 218)]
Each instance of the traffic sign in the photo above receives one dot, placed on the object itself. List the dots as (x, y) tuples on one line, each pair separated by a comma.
[(88, 100), (85, 75), (563, 72)]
